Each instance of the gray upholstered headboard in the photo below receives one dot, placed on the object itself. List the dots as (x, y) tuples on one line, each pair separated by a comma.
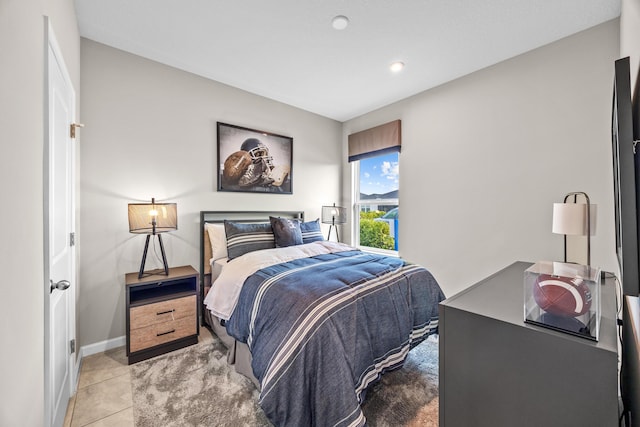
[(220, 216)]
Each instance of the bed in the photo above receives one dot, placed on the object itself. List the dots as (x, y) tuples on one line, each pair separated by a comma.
[(312, 323)]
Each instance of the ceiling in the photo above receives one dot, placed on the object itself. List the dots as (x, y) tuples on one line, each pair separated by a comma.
[(287, 50)]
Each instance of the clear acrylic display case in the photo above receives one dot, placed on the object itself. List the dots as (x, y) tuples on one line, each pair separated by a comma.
[(564, 297)]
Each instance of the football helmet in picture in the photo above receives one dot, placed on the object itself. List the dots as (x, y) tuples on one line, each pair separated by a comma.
[(258, 151)]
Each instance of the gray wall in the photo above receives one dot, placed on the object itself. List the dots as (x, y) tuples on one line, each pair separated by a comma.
[(485, 157), (630, 35), (151, 132), (21, 185)]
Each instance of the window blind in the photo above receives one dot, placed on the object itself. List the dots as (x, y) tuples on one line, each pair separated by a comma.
[(379, 140)]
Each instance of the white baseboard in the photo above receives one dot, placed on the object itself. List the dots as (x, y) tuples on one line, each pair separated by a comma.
[(99, 347)]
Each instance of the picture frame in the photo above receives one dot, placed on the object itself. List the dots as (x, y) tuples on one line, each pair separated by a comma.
[(254, 161)]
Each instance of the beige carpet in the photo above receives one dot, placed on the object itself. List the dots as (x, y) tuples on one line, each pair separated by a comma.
[(195, 387)]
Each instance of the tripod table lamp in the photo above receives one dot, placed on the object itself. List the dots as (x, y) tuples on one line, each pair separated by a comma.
[(153, 219), (334, 215)]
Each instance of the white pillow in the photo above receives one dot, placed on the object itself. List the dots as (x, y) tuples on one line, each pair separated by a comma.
[(218, 239)]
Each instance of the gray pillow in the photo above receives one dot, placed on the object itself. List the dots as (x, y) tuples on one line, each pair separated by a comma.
[(311, 231), (286, 231), (245, 238)]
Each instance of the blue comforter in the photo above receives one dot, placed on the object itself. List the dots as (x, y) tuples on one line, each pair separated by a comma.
[(321, 329)]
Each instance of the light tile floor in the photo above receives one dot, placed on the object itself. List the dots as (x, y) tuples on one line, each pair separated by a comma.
[(103, 397)]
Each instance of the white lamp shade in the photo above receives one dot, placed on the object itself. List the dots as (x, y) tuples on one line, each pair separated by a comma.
[(571, 219)]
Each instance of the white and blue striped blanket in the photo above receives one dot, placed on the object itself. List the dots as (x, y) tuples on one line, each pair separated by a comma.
[(322, 329)]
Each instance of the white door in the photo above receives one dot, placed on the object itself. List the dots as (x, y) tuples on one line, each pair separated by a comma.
[(58, 235)]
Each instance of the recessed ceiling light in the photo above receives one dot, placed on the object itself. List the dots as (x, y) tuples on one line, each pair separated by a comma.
[(340, 22), (397, 66)]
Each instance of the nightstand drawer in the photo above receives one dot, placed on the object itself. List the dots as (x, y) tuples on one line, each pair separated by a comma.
[(164, 311), (161, 333)]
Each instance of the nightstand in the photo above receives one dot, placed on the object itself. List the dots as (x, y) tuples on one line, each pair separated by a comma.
[(496, 370), (162, 312)]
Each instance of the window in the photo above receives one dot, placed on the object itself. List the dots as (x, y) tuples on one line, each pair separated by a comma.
[(374, 155), (376, 204)]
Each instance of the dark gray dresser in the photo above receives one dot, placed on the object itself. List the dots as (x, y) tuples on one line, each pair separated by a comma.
[(496, 370)]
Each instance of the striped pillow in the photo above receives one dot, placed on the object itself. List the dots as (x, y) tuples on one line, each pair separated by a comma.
[(244, 238), (311, 231)]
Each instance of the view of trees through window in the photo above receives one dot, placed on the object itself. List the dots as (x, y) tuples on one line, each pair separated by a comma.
[(377, 202)]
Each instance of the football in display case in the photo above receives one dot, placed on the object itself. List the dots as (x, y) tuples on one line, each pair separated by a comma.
[(564, 297)]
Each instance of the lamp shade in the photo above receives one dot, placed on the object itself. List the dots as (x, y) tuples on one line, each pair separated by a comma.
[(571, 219), (152, 218), (334, 214)]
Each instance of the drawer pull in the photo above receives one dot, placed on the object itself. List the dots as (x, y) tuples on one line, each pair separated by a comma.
[(167, 312), (165, 333)]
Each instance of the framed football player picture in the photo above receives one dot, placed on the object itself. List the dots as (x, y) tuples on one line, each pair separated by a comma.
[(254, 161)]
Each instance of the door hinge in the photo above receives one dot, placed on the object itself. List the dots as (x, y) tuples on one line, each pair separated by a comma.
[(72, 129), (72, 346), (72, 239)]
